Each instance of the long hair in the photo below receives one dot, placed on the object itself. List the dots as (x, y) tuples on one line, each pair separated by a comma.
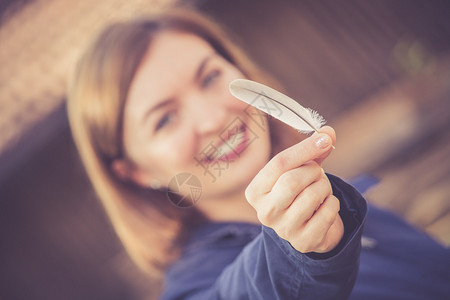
[(151, 229)]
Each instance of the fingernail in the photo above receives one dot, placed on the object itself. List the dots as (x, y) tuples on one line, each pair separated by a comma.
[(323, 141)]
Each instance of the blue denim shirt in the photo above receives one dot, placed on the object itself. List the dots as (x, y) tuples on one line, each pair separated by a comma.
[(247, 261)]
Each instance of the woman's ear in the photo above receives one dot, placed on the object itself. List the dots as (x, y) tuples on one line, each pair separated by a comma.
[(121, 169), (125, 171)]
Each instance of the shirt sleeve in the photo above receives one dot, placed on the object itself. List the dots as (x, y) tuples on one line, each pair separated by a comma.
[(270, 268)]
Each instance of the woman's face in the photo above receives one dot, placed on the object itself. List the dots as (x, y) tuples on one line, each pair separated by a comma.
[(181, 118)]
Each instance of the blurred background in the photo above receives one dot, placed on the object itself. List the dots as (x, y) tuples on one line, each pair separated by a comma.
[(378, 71)]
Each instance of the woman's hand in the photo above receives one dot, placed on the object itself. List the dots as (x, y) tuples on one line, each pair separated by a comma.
[(293, 196)]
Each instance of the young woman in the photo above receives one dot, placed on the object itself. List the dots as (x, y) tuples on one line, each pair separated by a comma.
[(149, 107)]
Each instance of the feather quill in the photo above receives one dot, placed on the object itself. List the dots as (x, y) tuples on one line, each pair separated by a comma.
[(277, 105)]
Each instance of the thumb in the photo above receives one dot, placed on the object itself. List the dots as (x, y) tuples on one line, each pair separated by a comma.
[(325, 138)]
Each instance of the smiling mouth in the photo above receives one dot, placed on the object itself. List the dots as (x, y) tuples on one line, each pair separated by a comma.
[(231, 147)]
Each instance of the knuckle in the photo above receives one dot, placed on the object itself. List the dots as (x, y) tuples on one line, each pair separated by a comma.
[(283, 231), (329, 216), (249, 194), (281, 161), (317, 168), (318, 174), (314, 170), (334, 204), (304, 243), (327, 185), (266, 214), (252, 194), (301, 248), (338, 204), (299, 245), (262, 218), (317, 192), (314, 195), (324, 246), (289, 182), (304, 247)]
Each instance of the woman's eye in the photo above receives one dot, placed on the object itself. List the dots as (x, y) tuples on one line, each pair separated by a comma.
[(209, 79), (164, 121)]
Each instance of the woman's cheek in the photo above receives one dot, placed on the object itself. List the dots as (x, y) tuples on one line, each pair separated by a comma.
[(179, 150), (233, 104), (223, 89)]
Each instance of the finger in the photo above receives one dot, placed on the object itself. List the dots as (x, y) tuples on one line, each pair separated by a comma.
[(308, 201), (309, 149), (291, 183), (330, 131), (317, 227), (333, 236)]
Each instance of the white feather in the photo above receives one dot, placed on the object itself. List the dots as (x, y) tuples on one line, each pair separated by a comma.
[(277, 105)]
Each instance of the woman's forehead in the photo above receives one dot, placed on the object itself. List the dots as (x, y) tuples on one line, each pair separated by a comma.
[(171, 61), (172, 54), (176, 50)]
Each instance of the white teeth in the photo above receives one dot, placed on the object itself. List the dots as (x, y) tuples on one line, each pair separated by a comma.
[(231, 144)]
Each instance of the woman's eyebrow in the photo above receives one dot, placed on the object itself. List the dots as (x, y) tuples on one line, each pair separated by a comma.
[(202, 65)]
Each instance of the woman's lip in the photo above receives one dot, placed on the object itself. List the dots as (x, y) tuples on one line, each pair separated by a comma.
[(233, 151), (239, 148)]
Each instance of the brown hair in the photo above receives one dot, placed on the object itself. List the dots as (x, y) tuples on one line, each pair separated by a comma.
[(149, 226)]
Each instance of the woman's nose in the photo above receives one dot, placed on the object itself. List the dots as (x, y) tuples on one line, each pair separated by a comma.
[(207, 116)]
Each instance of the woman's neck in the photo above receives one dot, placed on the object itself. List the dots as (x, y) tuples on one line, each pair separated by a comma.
[(229, 208)]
